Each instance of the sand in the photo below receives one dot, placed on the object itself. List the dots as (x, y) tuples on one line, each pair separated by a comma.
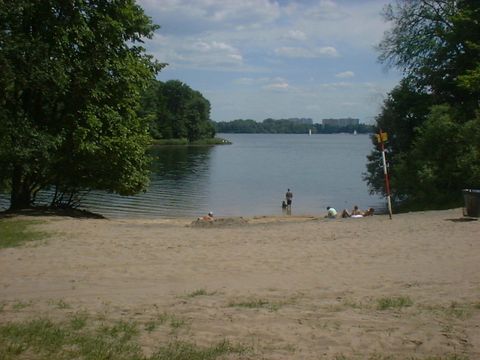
[(286, 287)]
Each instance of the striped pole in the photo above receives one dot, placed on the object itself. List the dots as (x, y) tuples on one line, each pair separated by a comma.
[(385, 172)]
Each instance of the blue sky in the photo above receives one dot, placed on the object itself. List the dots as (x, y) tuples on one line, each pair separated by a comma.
[(255, 59)]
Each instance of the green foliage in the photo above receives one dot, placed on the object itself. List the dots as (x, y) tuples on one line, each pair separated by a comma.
[(71, 78), (432, 116), (17, 232), (45, 339), (394, 302), (438, 165), (175, 111), (436, 44), (402, 111), (257, 304), (187, 351)]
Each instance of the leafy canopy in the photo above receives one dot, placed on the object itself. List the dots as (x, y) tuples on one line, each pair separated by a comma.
[(432, 117), (176, 111), (72, 74)]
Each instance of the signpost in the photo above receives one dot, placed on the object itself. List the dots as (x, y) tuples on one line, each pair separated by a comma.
[(381, 138)]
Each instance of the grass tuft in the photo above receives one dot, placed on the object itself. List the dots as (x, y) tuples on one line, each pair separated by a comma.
[(174, 322), (459, 311), (394, 302), (179, 350), (200, 292), (257, 304), (78, 321), (19, 305), (15, 233)]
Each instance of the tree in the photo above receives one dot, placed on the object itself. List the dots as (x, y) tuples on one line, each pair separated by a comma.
[(72, 72), (402, 112), (177, 111), (437, 45), (432, 117)]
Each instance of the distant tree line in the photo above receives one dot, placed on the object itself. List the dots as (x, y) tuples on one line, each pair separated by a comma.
[(285, 126), (175, 111), (432, 117)]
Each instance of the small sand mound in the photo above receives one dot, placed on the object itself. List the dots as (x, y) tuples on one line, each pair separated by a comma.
[(220, 222)]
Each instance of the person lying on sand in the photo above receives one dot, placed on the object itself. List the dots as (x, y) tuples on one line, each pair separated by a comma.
[(208, 217), (356, 213)]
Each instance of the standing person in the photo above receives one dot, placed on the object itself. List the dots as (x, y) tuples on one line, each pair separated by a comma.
[(289, 197)]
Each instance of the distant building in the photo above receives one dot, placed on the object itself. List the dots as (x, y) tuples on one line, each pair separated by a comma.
[(340, 122)]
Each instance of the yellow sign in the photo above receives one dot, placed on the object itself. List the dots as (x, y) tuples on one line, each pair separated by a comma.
[(382, 137)]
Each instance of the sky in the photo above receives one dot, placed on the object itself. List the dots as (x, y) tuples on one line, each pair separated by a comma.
[(258, 59)]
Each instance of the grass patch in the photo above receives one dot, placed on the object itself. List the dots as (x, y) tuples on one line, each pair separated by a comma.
[(455, 309), (394, 302), (60, 304), (200, 292), (459, 311), (162, 142), (174, 322), (257, 304), (19, 305), (43, 339), (78, 321), (15, 233), (180, 350)]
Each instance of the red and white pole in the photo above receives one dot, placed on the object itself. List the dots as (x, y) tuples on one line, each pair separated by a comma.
[(385, 172)]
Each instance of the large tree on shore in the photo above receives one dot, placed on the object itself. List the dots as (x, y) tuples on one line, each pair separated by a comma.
[(432, 116), (71, 78)]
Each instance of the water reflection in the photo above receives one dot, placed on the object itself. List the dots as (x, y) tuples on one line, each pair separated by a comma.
[(178, 186)]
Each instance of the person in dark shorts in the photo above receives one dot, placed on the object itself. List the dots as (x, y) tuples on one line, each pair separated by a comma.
[(289, 197)]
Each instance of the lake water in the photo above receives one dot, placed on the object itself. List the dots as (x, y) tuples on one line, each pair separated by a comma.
[(250, 177)]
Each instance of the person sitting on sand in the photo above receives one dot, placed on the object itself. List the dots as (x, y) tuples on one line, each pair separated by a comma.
[(208, 217), (369, 212), (356, 213), (331, 213)]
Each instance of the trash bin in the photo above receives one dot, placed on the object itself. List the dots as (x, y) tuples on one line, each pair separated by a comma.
[(472, 202)]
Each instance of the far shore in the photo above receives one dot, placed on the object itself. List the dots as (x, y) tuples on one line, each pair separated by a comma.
[(283, 287)]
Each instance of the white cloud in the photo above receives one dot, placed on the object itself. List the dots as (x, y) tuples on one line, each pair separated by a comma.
[(296, 35), (278, 86), (345, 74), (326, 10), (304, 52), (238, 53), (265, 83), (197, 53), (194, 17)]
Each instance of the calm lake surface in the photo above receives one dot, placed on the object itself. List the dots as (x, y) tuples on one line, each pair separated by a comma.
[(249, 177)]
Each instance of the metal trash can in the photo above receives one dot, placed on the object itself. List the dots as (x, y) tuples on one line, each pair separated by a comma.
[(472, 202)]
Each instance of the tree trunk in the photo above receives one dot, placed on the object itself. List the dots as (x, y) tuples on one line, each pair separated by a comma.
[(20, 197)]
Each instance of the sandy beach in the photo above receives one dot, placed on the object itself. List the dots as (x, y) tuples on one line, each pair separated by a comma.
[(285, 287)]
